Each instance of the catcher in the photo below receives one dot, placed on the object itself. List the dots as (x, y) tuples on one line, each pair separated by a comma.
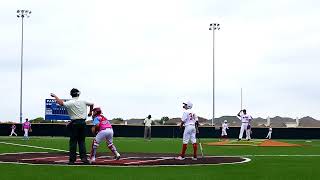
[(103, 131)]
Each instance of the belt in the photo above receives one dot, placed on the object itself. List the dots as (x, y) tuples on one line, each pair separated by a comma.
[(190, 125), (245, 122)]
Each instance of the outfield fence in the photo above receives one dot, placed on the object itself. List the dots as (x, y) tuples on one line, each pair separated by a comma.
[(169, 131)]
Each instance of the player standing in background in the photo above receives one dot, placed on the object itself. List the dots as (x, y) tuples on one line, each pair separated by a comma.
[(104, 133), (77, 110), (13, 128), (224, 128), (147, 128), (269, 133), (26, 126), (190, 123), (245, 121)]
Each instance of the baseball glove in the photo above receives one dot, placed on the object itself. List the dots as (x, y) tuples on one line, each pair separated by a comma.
[(95, 130)]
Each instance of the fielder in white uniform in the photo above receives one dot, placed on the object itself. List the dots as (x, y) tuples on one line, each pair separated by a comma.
[(224, 128), (245, 122), (13, 128), (190, 123), (269, 133)]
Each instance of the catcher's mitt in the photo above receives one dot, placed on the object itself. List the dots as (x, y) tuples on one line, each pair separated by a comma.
[(95, 130)]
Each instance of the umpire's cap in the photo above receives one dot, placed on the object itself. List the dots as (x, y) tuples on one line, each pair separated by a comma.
[(74, 92)]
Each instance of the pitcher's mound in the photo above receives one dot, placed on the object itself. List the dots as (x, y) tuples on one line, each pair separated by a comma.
[(277, 143)]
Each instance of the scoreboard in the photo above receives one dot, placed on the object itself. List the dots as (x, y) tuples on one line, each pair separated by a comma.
[(54, 111)]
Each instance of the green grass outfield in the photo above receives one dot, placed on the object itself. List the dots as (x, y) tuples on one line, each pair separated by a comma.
[(267, 163)]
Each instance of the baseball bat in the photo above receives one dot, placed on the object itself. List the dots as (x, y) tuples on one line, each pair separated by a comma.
[(201, 150)]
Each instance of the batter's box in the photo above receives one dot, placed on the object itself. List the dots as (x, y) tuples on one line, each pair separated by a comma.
[(127, 159)]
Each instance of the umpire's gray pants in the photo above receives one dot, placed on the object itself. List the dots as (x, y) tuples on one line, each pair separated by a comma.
[(147, 132)]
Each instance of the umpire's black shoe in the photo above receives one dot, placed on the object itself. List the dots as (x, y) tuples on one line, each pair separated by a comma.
[(85, 161), (239, 139), (71, 163)]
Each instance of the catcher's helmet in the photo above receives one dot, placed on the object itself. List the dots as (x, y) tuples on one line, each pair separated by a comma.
[(74, 92), (97, 110), (188, 104)]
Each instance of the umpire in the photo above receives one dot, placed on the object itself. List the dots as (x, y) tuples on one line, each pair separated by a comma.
[(77, 110)]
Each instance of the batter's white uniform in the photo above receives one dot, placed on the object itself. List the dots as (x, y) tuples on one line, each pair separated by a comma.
[(245, 120), (189, 120), (269, 133), (224, 129)]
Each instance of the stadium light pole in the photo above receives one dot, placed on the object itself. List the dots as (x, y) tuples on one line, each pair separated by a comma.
[(213, 27), (241, 99), (22, 14)]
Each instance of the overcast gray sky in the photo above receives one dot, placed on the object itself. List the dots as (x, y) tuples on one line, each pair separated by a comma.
[(135, 58)]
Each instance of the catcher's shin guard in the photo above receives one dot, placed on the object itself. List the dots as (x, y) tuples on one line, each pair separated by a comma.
[(94, 147), (112, 148)]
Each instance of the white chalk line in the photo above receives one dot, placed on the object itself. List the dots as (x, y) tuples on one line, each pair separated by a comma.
[(247, 155), (146, 161), (23, 153), (283, 155), (36, 147), (45, 158)]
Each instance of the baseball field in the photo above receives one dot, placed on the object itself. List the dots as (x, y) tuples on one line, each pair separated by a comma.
[(261, 163)]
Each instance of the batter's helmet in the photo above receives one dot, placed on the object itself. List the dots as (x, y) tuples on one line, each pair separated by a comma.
[(188, 104)]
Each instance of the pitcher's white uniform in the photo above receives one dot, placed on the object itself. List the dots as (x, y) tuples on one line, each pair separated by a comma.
[(245, 120), (269, 133), (224, 129), (13, 128)]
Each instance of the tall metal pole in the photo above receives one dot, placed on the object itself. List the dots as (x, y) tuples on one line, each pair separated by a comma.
[(213, 27), (22, 14), (21, 70), (241, 100)]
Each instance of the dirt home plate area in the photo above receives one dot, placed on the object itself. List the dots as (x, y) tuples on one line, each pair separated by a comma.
[(128, 159), (141, 159)]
